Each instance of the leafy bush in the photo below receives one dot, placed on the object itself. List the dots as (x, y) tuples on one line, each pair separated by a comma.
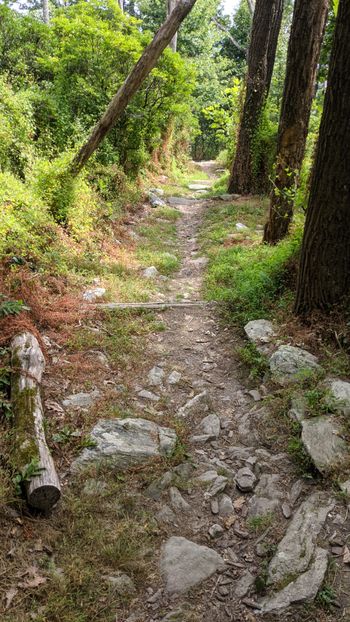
[(16, 130), (250, 279)]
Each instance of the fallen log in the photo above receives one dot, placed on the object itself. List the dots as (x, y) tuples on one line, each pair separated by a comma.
[(31, 455), (162, 306)]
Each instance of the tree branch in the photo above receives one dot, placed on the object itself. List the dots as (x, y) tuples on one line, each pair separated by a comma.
[(240, 47), (251, 6)]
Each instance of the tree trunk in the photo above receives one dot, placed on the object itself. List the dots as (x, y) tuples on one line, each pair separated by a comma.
[(304, 48), (324, 273), (46, 12), (121, 5), (171, 4), (31, 451), (242, 175), (132, 83), (273, 41)]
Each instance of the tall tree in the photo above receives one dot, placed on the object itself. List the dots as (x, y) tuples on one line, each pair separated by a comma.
[(46, 12), (274, 34), (132, 83), (260, 56), (121, 5), (307, 31), (324, 273)]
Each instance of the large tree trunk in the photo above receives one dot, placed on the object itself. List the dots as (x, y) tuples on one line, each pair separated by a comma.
[(242, 175), (31, 451), (132, 83), (324, 274), (171, 4), (306, 36)]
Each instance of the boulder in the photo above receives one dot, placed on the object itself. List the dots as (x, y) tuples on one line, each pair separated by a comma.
[(127, 442), (301, 590), (288, 364), (296, 550), (322, 440), (81, 400), (260, 331), (185, 564)]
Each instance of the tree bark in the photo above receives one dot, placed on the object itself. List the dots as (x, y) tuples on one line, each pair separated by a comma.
[(121, 5), (309, 20), (132, 83), (324, 273), (46, 12), (242, 176), (171, 4), (43, 489), (273, 41)]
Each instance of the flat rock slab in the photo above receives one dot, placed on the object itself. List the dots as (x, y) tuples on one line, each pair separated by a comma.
[(288, 364), (260, 331), (296, 550), (322, 441), (81, 400), (210, 426), (184, 564), (194, 406), (127, 442), (303, 589), (268, 495)]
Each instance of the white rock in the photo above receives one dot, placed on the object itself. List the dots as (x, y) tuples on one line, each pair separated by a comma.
[(150, 273), (174, 377), (127, 442), (156, 376), (260, 331), (185, 564), (197, 404), (92, 294), (81, 400), (148, 395), (322, 440), (289, 364), (241, 227)]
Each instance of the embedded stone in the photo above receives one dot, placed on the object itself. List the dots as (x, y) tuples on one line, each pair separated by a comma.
[(322, 440), (288, 364)]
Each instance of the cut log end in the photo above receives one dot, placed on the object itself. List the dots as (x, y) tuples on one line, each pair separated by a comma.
[(44, 498)]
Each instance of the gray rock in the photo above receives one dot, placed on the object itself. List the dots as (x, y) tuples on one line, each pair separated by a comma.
[(245, 479), (174, 377), (177, 501), (176, 201), (229, 197), (127, 442), (295, 491), (165, 515), (81, 400), (215, 531), (155, 201), (210, 426), (195, 405), (255, 395), (297, 412), (121, 584), (286, 510), (184, 470), (345, 487), (340, 392), (185, 564), (100, 357), (214, 506), (303, 589), (268, 495), (322, 440), (288, 364), (260, 331), (202, 186), (155, 489), (150, 273), (200, 438), (92, 294), (226, 506), (296, 550), (158, 191), (218, 485), (156, 376), (244, 584), (148, 395)]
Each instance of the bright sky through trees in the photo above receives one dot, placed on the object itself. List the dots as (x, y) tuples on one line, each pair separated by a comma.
[(230, 5)]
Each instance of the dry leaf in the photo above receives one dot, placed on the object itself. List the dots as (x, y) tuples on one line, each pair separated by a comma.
[(34, 579), (239, 503), (230, 521), (346, 557), (9, 596)]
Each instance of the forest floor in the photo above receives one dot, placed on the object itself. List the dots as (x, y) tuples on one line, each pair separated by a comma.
[(106, 552)]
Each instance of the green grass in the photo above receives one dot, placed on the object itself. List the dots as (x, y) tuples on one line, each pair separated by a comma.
[(157, 246), (255, 360)]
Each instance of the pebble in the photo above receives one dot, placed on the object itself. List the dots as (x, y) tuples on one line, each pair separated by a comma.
[(245, 479), (214, 506), (286, 510), (215, 531)]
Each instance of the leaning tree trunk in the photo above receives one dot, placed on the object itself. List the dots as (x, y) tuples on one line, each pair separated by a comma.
[(273, 41), (242, 175), (132, 83), (305, 41), (171, 4), (324, 273), (31, 455)]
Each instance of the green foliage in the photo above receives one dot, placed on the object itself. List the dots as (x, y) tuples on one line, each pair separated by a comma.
[(32, 469), (249, 280), (326, 597), (11, 307), (16, 130), (5, 384), (255, 360)]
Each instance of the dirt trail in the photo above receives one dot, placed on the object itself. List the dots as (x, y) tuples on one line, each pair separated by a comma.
[(242, 527)]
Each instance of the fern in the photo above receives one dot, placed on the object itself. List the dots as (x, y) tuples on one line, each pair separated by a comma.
[(11, 307)]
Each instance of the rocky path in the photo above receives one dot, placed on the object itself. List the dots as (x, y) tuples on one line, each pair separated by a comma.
[(243, 538)]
